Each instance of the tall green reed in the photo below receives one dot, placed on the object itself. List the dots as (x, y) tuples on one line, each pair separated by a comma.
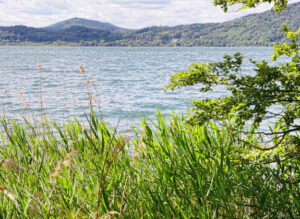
[(165, 169), (168, 169)]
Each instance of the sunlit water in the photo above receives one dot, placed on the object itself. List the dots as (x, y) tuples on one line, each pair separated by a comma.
[(129, 81)]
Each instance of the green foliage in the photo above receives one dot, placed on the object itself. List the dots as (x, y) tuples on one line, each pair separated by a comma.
[(75, 34), (271, 91), (252, 95), (168, 170), (279, 5)]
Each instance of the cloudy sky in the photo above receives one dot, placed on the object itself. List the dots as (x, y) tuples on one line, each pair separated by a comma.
[(124, 13)]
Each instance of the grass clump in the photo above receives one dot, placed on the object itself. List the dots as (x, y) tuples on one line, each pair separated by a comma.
[(169, 169)]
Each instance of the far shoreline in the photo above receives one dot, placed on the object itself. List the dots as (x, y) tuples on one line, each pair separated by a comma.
[(120, 46)]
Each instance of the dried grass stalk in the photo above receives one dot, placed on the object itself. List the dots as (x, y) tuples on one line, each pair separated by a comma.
[(81, 69), (10, 164), (20, 95), (72, 153), (5, 91), (137, 154), (10, 196), (83, 127), (67, 163), (25, 105), (57, 169), (39, 66), (110, 214)]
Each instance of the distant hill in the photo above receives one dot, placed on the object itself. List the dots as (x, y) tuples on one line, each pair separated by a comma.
[(74, 34), (80, 22), (262, 29)]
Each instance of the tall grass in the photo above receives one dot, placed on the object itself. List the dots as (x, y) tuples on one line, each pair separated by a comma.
[(164, 169), (167, 170)]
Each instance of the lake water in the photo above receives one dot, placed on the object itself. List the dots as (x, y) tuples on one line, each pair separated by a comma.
[(129, 81)]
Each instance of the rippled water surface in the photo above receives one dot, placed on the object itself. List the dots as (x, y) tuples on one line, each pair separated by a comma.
[(129, 81)]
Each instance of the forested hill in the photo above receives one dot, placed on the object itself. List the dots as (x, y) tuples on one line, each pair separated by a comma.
[(80, 22), (262, 29)]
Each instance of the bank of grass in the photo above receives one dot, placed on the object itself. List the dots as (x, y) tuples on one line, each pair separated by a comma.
[(164, 169)]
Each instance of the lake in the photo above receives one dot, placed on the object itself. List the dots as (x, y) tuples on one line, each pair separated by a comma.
[(129, 81)]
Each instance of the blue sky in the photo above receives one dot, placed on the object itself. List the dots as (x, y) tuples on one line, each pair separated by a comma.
[(124, 13)]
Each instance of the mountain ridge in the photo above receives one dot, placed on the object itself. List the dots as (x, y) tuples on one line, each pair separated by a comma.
[(260, 29), (65, 24)]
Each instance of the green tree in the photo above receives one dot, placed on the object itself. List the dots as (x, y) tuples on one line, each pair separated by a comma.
[(253, 96), (279, 5)]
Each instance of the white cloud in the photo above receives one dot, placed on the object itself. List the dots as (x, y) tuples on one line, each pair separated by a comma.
[(124, 13)]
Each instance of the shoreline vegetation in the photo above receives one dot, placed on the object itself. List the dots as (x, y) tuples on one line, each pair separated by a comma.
[(144, 43), (163, 169), (106, 46)]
